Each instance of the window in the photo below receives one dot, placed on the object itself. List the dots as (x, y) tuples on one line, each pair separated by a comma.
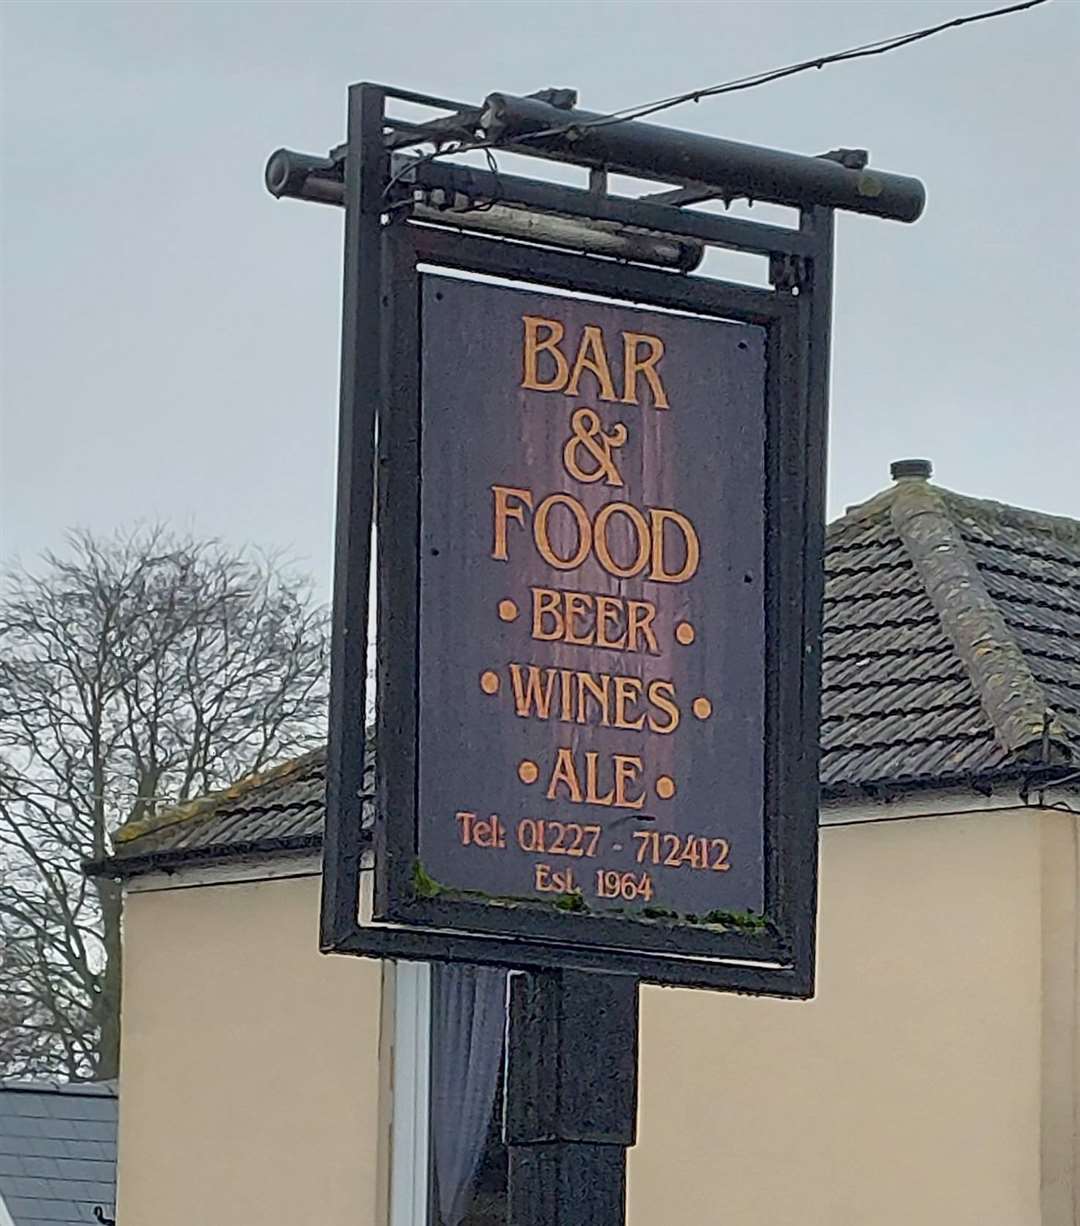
[(467, 1155), (449, 1164)]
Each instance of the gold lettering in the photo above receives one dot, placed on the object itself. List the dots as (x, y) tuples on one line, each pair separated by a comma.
[(608, 609), (633, 366), (592, 356), (543, 539), (627, 690), (592, 795), (603, 551), (662, 695), (659, 516), (584, 620), (565, 773), (577, 606), (639, 620), (546, 880), (535, 345), (588, 686), (547, 603), (528, 691), (627, 770), (503, 512)]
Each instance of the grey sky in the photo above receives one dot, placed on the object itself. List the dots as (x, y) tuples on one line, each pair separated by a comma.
[(170, 333)]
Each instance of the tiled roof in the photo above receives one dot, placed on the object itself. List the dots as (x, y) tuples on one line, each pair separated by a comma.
[(57, 1152), (952, 641), (280, 806), (951, 658)]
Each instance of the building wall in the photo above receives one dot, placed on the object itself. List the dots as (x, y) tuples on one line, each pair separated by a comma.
[(932, 1082), (249, 1066), (1060, 1019), (909, 1090)]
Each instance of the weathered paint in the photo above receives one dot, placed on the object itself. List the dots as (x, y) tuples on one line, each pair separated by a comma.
[(690, 440)]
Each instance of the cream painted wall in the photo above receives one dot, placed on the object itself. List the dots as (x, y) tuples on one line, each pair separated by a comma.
[(1060, 1020), (249, 1067), (932, 1082), (908, 1092)]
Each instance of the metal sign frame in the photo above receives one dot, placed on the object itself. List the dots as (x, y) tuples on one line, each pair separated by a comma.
[(380, 384)]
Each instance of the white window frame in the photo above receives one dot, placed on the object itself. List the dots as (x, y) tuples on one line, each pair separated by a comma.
[(410, 1123)]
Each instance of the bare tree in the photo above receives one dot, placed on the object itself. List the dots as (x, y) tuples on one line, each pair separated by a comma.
[(136, 672)]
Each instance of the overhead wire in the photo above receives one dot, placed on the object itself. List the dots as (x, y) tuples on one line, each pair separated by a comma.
[(863, 51), (640, 111)]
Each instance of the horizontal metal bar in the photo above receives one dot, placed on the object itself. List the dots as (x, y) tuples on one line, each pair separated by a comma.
[(736, 170), (552, 230), (411, 95), (689, 193), (630, 283), (730, 232), (406, 132), (411, 944), (318, 179)]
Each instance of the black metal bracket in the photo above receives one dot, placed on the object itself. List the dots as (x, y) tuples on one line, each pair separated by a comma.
[(546, 126), (380, 335), (788, 273)]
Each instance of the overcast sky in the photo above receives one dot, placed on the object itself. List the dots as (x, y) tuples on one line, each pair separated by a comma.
[(170, 332)]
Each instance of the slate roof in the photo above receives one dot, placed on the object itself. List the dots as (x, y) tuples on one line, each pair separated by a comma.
[(951, 658), (57, 1152)]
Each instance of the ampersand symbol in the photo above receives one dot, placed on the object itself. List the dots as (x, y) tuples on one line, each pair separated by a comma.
[(587, 433)]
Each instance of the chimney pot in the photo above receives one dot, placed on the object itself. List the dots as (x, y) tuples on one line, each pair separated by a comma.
[(920, 470)]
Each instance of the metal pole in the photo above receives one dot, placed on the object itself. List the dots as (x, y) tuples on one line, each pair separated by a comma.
[(571, 1097)]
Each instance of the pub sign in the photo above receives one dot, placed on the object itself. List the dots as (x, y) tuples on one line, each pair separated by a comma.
[(591, 706), (593, 628)]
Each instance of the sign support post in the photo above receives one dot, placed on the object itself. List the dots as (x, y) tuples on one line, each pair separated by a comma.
[(571, 1100)]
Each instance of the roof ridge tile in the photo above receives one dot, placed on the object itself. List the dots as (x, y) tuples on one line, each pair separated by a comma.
[(1011, 698)]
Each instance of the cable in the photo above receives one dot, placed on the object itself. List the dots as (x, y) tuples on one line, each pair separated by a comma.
[(441, 152), (881, 47)]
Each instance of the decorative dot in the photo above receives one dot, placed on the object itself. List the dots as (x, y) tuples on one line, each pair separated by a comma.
[(489, 682), (702, 708), (684, 632), (528, 772), (665, 787), (507, 610)]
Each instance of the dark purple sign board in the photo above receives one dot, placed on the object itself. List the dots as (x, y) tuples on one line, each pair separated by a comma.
[(599, 623), (592, 604)]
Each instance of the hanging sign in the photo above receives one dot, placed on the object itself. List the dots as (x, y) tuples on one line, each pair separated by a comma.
[(597, 636)]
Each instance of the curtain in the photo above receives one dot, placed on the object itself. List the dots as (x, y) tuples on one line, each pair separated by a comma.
[(467, 1029)]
